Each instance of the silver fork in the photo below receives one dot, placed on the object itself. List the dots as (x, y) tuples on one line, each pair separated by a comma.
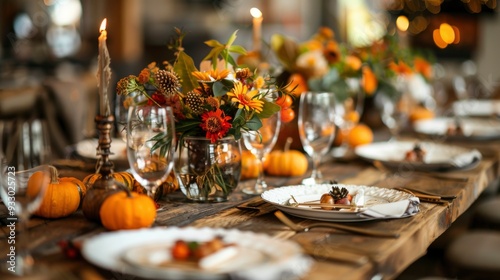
[(297, 228)]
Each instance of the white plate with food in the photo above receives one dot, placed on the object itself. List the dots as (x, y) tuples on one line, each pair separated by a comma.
[(420, 155), (149, 253), (88, 149), (476, 108), (460, 129), (361, 199)]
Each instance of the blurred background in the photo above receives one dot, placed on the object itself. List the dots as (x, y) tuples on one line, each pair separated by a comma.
[(48, 54)]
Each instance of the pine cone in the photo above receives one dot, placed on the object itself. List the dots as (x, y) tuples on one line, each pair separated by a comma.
[(338, 193), (195, 102), (168, 82)]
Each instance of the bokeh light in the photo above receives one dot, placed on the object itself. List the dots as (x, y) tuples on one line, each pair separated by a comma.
[(447, 33), (402, 23), (440, 43)]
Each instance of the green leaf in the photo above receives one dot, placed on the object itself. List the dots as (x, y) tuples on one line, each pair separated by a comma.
[(286, 50), (268, 110), (238, 49), (219, 89), (254, 123), (231, 61), (184, 66), (213, 54), (231, 39), (213, 43), (187, 125)]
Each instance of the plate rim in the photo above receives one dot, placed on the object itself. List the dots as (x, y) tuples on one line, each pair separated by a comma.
[(348, 216), (117, 264), (484, 137), (416, 166)]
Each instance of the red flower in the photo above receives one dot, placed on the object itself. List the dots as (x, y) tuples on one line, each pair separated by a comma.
[(215, 124), (158, 98)]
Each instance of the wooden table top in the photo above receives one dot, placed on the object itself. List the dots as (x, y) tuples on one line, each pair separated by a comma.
[(330, 249)]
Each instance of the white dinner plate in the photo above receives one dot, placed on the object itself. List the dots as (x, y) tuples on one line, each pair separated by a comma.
[(87, 149), (476, 108), (473, 128), (438, 157), (280, 197), (140, 252)]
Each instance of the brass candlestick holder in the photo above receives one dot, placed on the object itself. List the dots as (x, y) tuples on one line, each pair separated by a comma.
[(105, 185)]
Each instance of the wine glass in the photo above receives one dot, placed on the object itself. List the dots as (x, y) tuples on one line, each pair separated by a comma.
[(22, 196), (348, 110), (316, 128), (150, 145), (260, 143), (394, 112), (122, 103)]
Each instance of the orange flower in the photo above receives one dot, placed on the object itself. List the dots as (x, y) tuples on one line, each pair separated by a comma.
[(143, 76), (216, 124), (400, 68), (353, 63), (297, 83), (326, 32), (332, 52), (246, 99), (369, 81), (423, 67)]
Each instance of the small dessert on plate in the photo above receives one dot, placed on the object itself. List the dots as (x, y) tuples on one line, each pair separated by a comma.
[(336, 196), (417, 154)]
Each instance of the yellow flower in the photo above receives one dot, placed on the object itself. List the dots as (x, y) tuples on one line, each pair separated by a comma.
[(211, 75), (246, 99), (259, 82)]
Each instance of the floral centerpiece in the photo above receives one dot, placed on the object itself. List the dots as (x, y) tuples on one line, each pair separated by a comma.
[(321, 63), (212, 107)]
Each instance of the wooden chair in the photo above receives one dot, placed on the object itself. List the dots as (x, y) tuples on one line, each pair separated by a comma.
[(487, 214), (474, 255)]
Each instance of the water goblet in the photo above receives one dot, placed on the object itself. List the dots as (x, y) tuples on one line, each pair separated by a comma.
[(348, 110), (316, 122), (260, 143), (394, 111), (150, 145), (22, 192)]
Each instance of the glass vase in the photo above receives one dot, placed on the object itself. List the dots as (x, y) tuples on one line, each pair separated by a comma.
[(208, 172)]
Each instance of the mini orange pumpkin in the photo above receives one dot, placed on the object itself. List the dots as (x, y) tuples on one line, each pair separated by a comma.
[(286, 163), (127, 210), (62, 197), (124, 178), (168, 186), (249, 165)]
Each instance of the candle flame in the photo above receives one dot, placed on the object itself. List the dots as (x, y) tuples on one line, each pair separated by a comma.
[(256, 13), (103, 25)]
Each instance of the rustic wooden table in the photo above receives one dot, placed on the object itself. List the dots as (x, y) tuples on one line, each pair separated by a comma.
[(332, 251)]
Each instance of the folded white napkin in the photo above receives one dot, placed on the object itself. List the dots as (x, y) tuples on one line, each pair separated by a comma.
[(465, 159), (397, 209)]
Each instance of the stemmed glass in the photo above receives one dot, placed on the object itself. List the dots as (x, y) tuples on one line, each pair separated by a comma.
[(22, 197), (260, 144), (150, 145), (347, 114), (394, 112), (316, 128)]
